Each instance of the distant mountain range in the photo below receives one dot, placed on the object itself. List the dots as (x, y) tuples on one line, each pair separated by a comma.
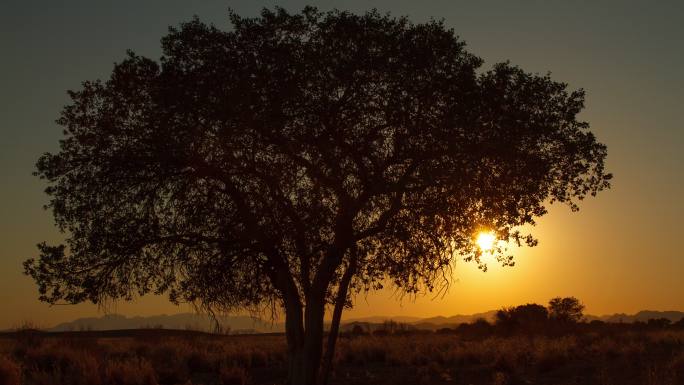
[(641, 316), (182, 321), (246, 324)]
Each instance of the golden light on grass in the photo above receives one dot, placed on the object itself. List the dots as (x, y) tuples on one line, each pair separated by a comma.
[(485, 240)]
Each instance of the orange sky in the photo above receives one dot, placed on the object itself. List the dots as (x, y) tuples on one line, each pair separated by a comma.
[(620, 253)]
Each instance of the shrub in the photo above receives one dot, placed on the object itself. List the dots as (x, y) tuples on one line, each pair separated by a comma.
[(358, 330), (58, 362), (364, 351), (10, 372), (233, 375), (132, 372), (169, 364), (258, 359), (28, 336), (530, 317), (200, 362)]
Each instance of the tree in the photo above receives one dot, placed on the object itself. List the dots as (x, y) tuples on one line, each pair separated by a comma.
[(529, 317), (297, 159), (679, 324), (568, 309), (658, 323)]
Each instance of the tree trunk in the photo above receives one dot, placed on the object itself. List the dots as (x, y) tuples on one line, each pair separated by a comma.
[(305, 339), (295, 370), (294, 333), (305, 345)]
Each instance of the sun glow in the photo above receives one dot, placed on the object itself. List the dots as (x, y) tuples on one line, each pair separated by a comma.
[(485, 240)]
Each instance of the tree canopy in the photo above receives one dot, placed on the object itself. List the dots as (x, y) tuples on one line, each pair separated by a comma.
[(567, 309), (298, 157), (529, 317)]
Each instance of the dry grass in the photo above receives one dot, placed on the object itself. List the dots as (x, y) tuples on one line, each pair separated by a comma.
[(130, 372), (10, 371), (625, 357)]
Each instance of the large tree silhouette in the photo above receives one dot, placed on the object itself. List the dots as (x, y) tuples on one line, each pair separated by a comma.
[(297, 159)]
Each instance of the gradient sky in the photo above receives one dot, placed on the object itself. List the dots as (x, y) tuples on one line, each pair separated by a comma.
[(621, 253)]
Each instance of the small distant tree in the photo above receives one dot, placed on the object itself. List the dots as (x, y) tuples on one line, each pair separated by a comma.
[(658, 323), (358, 330), (679, 324), (298, 159), (389, 326), (478, 328), (597, 323), (568, 309), (528, 317)]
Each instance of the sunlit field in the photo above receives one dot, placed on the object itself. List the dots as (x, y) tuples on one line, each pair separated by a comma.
[(476, 354)]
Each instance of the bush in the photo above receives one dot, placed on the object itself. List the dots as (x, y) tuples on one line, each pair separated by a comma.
[(133, 372), (232, 375), (28, 335), (169, 364), (358, 330), (529, 318), (199, 362), (58, 362), (10, 372)]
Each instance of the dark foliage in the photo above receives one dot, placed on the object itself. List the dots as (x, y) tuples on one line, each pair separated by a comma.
[(300, 157), (530, 317), (679, 324), (658, 323), (568, 309)]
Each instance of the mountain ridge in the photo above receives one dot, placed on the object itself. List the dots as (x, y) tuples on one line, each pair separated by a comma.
[(248, 324)]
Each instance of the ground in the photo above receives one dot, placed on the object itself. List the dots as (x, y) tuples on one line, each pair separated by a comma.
[(145, 357)]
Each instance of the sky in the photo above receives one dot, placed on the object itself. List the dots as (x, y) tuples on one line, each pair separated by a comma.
[(621, 252)]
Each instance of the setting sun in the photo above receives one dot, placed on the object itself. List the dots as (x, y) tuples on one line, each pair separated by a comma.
[(485, 240)]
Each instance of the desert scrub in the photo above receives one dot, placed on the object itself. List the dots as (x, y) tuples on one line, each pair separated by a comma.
[(130, 372), (233, 375), (622, 357), (10, 371), (58, 362)]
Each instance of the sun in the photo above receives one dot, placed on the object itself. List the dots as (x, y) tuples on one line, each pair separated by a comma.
[(485, 240)]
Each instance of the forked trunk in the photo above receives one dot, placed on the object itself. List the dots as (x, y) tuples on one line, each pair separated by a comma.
[(305, 334), (305, 345)]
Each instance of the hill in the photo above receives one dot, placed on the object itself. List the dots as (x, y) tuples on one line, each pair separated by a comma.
[(249, 325), (182, 321), (641, 316)]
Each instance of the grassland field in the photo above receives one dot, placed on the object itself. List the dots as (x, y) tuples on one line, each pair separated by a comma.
[(605, 356)]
